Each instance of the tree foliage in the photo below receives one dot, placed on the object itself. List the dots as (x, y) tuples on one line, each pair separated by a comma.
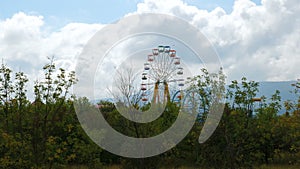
[(45, 133)]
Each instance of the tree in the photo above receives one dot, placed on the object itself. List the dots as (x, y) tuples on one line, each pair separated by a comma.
[(6, 89), (205, 85)]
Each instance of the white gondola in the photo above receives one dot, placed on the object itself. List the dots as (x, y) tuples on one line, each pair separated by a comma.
[(167, 49), (146, 66), (180, 71), (181, 84), (161, 49)]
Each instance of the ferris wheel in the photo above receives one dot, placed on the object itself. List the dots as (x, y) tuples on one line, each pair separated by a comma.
[(162, 69)]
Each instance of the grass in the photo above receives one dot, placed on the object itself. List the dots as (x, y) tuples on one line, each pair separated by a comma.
[(279, 167), (186, 167), (85, 167)]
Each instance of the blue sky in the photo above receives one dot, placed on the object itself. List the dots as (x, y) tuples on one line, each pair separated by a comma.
[(61, 12)]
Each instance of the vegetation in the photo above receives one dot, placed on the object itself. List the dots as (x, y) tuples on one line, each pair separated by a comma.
[(45, 133)]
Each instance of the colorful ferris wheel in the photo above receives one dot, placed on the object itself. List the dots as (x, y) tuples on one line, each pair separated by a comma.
[(162, 69)]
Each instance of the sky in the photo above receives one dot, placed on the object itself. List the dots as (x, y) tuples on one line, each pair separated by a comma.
[(258, 39), (58, 12)]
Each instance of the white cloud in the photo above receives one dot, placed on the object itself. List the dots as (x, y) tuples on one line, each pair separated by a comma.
[(19, 35), (260, 42), (24, 39), (256, 41), (26, 43)]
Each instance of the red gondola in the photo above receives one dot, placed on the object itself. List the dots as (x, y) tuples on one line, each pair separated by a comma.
[(155, 52), (172, 53), (150, 58), (144, 87), (177, 61)]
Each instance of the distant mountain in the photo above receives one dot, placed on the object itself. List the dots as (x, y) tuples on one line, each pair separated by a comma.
[(268, 89)]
